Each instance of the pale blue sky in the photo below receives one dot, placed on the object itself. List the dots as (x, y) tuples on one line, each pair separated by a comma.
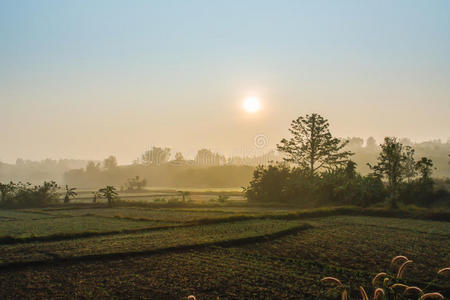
[(85, 79)]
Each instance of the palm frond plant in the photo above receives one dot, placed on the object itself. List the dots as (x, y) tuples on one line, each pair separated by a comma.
[(110, 193), (70, 193)]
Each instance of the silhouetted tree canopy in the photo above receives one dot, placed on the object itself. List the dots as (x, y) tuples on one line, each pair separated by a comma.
[(312, 147), (179, 157), (155, 156), (390, 162), (135, 184), (110, 163), (26, 195), (206, 157), (425, 167)]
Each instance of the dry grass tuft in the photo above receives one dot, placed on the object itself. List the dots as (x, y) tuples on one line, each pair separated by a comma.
[(397, 290), (399, 286), (331, 280), (386, 282), (444, 271), (399, 258), (432, 296), (377, 277), (344, 295), (413, 289), (401, 270), (363, 293), (379, 292)]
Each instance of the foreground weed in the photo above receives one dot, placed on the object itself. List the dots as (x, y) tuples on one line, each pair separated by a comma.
[(390, 287)]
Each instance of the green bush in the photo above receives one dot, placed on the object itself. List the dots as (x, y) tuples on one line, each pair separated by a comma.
[(343, 186), (25, 195)]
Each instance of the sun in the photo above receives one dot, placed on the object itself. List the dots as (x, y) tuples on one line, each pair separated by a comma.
[(252, 104)]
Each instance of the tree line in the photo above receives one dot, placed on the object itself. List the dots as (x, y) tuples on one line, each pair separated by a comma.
[(60, 171), (318, 170)]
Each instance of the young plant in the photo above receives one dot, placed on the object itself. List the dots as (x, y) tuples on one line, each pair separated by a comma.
[(70, 193), (110, 193)]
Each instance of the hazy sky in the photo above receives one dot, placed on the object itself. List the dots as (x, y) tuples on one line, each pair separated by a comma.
[(86, 79)]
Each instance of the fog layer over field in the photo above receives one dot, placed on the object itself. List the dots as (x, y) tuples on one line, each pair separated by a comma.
[(162, 167)]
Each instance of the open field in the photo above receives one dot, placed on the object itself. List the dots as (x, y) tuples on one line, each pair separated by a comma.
[(230, 252)]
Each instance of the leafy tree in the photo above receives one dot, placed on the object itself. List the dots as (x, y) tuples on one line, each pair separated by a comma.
[(425, 167), (371, 143), (342, 186), (156, 156), (205, 157), (135, 184), (110, 193), (92, 167), (350, 169), (409, 163), (28, 196), (390, 165), (421, 191), (372, 190), (269, 184), (312, 146), (355, 143), (390, 162), (110, 163), (179, 157), (6, 189), (70, 193)]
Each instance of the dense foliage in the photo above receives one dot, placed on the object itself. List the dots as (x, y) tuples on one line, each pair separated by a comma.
[(25, 195), (282, 184), (342, 186), (134, 184), (320, 176)]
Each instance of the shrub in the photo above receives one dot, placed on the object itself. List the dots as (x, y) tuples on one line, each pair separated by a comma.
[(25, 195), (423, 193), (342, 186), (268, 184)]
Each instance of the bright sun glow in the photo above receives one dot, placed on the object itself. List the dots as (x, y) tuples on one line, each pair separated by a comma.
[(252, 104)]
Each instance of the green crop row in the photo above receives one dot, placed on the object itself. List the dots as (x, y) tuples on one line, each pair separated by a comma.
[(145, 241)]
